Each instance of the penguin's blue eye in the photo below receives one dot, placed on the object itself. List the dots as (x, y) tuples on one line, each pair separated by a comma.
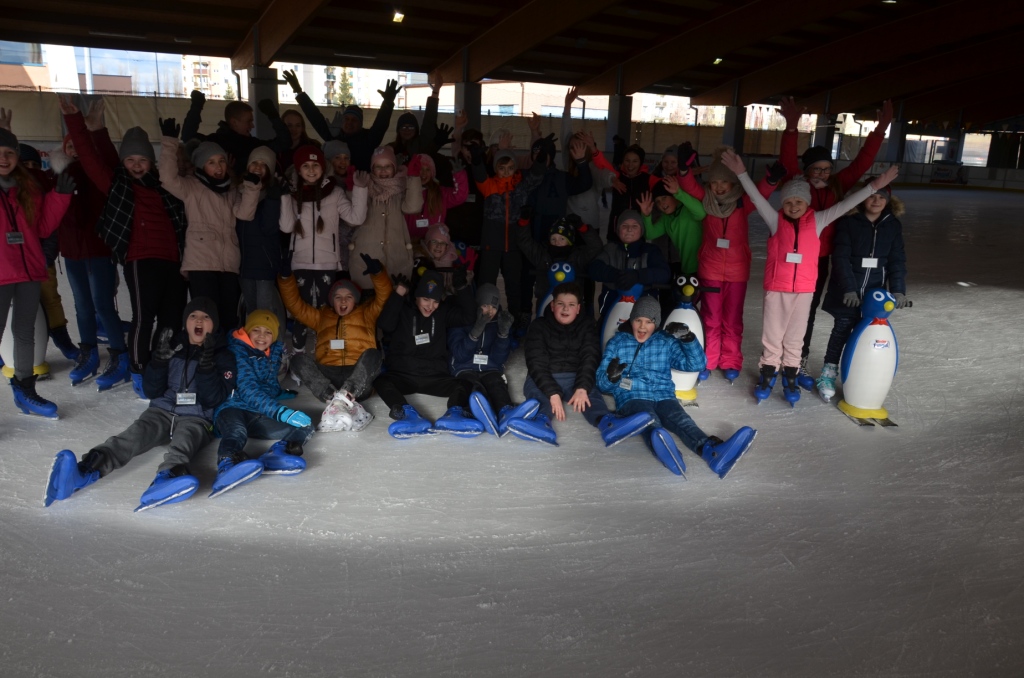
[(879, 296), (566, 267)]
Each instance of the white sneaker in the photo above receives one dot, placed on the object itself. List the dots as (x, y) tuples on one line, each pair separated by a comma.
[(336, 417)]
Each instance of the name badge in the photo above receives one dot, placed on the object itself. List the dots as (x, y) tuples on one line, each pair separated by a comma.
[(869, 262), (422, 223), (471, 197), (337, 344), (479, 358), (723, 244), (185, 398), (422, 339), (15, 238), (626, 383), (794, 258)]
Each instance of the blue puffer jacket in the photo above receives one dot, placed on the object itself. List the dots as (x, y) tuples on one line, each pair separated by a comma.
[(649, 365), (257, 387), (462, 349), (163, 380)]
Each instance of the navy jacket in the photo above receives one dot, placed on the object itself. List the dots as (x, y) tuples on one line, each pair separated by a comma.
[(462, 349), (856, 238), (259, 241), (164, 379)]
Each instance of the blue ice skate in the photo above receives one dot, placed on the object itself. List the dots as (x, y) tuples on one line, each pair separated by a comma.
[(483, 412), (457, 423), (803, 379), (279, 461), (721, 456), (731, 374), (790, 385), (667, 452), (703, 375), (615, 429), (528, 409), (765, 384), (30, 402), (87, 364), (66, 478), (537, 429), (116, 372), (234, 471), (409, 423), (169, 487), (62, 341), (137, 385)]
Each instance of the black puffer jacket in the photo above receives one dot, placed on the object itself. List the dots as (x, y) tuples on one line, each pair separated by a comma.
[(553, 348), (259, 241), (401, 321)]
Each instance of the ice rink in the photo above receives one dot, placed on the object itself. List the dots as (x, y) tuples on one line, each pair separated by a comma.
[(831, 550)]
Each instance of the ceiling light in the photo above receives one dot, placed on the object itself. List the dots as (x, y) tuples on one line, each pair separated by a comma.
[(888, 2), (717, 61), (526, 72), (397, 18), (353, 56)]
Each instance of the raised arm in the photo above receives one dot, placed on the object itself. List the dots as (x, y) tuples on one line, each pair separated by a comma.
[(764, 208), (826, 217)]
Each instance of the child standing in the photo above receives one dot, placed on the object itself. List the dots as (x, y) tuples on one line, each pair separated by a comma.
[(636, 370), (437, 199), (259, 241), (791, 270), (629, 260)]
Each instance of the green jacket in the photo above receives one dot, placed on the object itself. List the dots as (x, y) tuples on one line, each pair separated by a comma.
[(683, 228)]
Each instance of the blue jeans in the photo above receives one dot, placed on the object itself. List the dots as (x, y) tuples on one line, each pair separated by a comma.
[(668, 414), (567, 382), (237, 426), (92, 283)]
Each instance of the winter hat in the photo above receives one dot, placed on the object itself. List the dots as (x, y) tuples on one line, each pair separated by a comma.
[(815, 154), (635, 148), (547, 144), (260, 318), (659, 190), (647, 307), (797, 187), (28, 153), (430, 286), (308, 153), (717, 171), (408, 118), (352, 109), (438, 232), (265, 155), (630, 215), (345, 284), (672, 150), (334, 148), (383, 154), (136, 142), (502, 155), (563, 228), (884, 191), (8, 140), (205, 151), (487, 295), (204, 304), (427, 161)]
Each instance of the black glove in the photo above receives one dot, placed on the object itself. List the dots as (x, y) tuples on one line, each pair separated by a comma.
[(443, 136), (277, 188), (252, 178), (206, 358), (65, 184), (681, 331), (373, 266), (168, 128), (478, 327), (505, 322), (460, 279), (163, 349), (390, 92), (198, 99), (851, 299), (687, 155), (615, 370), (626, 280), (551, 140), (526, 212), (286, 264), (293, 81), (401, 279), (776, 173), (268, 108)]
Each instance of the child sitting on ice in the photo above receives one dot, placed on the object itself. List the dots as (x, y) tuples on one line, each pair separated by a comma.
[(253, 410), (478, 355), (185, 380), (637, 370), (437, 252), (562, 352)]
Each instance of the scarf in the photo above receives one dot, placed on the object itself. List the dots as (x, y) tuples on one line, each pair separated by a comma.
[(722, 207), (219, 187), (115, 224), (382, 190), (308, 192)]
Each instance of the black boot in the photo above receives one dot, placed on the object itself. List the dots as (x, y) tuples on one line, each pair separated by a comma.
[(62, 340)]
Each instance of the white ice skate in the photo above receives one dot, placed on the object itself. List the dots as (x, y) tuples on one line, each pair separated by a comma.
[(345, 413), (827, 381)]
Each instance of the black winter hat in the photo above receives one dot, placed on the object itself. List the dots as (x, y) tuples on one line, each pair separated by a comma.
[(28, 153), (563, 228), (7, 139), (815, 154), (430, 286), (636, 148), (659, 190), (407, 118), (207, 306)]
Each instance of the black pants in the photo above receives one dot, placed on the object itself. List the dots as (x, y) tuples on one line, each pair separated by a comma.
[(511, 266), (313, 289), (224, 289), (492, 384), (392, 388), (819, 289), (324, 380), (841, 331), (157, 292)]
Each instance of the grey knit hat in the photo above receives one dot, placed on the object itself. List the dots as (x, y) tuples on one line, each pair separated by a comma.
[(205, 151), (136, 142), (797, 188), (487, 295), (630, 215), (647, 307), (500, 155), (334, 148)]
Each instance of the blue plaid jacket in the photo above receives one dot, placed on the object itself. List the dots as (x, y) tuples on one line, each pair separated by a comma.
[(648, 365)]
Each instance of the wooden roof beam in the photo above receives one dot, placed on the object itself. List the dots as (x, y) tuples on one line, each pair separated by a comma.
[(273, 30)]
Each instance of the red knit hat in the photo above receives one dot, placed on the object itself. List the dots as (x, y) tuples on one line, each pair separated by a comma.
[(308, 153)]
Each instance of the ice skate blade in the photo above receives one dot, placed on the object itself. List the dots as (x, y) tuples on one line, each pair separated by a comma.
[(283, 472), (146, 507), (736, 461), (240, 481), (38, 416), (459, 434), (100, 389)]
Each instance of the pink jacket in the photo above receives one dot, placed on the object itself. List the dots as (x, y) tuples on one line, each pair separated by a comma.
[(25, 262), (450, 197), (801, 240)]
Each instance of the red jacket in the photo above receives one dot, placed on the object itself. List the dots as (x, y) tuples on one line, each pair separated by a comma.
[(802, 239), (842, 181), (25, 262), (77, 235)]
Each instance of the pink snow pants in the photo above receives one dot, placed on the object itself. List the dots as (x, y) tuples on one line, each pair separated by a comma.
[(722, 315), (785, 321)]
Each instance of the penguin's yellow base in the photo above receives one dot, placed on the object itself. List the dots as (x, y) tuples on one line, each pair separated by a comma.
[(860, 413), (41, 371), (687, 396)]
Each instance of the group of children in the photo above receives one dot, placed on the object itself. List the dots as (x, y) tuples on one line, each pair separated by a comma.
[(406, 316)]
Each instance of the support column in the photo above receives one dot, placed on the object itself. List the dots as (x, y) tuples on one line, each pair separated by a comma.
[(735, 129), (825, 132), (468, 99), (897, 145), (263, 84), (620, 120)]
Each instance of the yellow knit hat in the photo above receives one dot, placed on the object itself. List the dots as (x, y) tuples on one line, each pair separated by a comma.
[(261, 318)]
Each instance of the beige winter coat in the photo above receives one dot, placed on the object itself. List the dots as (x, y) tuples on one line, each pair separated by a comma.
[(211, 243), (384, 234)]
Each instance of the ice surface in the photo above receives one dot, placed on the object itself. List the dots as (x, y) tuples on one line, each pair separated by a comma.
[(831, 550)]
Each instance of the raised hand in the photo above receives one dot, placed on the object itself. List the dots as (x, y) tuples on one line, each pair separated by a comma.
[(361, 179), (293, 81), (791, 112), (373, 266), (505, 141), (570, 96), (534, 123), (505, 321), (687, 154), (163, 350), (680, 331), (671, 183), (885, 115), (94, 119), (206, 358), (436, 85), (588, 139), (577, 149), (734, 162), (619, 187), (776, 172), (67, 107), (886, 177), (390, 91), (168, 128), (646, 204), (268, 108), (444, 135)]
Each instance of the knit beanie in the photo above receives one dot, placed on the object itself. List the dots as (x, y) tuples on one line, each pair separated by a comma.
[(383, 155), (672, 150), (407, 118), (205, 151), (884, 191), (630, 215), (352, 109), (659, 190), (563, 228), (797, 187), (502, 155), (334, 148), (717, 171), (430, 286), (28, 153), (135, 142), (815, 154), (308, 153), (260, 318), (8, 140), (345, 284), (427, 161), (638, 150), (487, 295), (647, 307), (265, 155), (204, 304), (438, 232)]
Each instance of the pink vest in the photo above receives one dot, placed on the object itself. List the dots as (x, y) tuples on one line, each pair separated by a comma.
[(785, 276)]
